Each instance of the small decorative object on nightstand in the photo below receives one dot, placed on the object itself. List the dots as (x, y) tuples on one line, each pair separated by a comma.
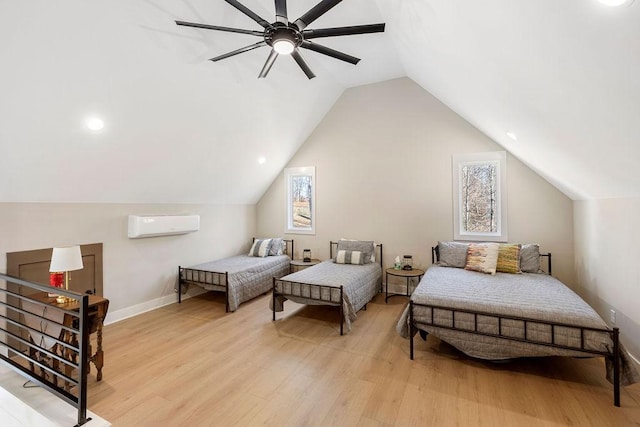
[(398, 264), (407, 262), (407, 274), (306, 255)]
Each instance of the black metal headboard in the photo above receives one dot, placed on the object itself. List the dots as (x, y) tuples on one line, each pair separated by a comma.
[(378, 246), (435, 256)]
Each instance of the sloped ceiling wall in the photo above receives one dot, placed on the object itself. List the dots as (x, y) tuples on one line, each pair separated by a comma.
[(181, 129), (562, 75), (178, 128)]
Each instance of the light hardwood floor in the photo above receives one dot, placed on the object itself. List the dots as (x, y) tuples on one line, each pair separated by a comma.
[(191, 364)]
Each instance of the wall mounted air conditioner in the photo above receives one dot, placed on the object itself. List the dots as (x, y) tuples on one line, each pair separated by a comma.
[(162, 225)]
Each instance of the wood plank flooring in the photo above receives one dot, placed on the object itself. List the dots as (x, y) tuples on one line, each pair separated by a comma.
[(191, 364)]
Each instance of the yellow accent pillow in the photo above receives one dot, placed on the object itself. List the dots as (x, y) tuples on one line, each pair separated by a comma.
[(482, 257), (509, 259)]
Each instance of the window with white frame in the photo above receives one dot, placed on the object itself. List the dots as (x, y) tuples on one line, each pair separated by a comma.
[(480, 196), (300, 200)]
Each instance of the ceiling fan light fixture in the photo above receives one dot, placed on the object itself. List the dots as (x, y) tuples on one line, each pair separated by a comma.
[(284, 46), (285, 37)]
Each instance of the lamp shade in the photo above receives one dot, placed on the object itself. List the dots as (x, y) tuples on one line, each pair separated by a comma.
[(67, 258)]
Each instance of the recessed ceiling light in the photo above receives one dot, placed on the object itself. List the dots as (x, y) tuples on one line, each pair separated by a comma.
[(94, 123), (262, 160), (614, 3), (512, 135)]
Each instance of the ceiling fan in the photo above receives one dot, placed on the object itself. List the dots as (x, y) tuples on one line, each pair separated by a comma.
[(285, 37)]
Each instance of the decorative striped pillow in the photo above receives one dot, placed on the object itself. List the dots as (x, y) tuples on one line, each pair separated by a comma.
[(482, 257), (509, 259), (367, 247), (350, 257), (260, 248)]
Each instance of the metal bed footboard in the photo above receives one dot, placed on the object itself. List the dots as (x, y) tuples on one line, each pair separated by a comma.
[(614, 334), (204, 278), (326, 295), (308, 295), (188, 276)]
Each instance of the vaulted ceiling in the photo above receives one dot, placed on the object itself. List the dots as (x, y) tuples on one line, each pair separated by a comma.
[(178, 128)]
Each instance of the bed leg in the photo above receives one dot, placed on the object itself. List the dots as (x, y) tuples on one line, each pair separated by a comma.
[(179, 285), (616, 367), (226, 294), (411, 329), (273, 300), (341, 311)]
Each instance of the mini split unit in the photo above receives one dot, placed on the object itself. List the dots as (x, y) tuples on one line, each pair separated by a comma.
[(162, 225)]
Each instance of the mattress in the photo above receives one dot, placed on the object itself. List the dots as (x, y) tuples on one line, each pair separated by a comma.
[(248, 276)]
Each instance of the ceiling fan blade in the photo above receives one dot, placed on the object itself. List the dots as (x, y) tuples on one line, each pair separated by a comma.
[(241, 50), (298, 58), (281, 11), (330, 52), (242, 8), (215, 27), (343, 31), (268, 64), (315, 12)]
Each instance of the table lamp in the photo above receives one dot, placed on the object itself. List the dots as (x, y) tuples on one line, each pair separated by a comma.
[(65, 259)]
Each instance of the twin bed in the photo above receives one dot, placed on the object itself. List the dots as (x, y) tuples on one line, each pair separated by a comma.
[(346, 281), (241, 277), (505, 315), (349, 280)]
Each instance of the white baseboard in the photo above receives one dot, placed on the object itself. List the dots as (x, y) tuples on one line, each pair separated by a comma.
[(134, 310)]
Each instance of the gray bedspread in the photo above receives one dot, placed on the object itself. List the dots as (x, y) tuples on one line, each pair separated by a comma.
[(529, 295), (360, 284), (248, 276), (536, 296)]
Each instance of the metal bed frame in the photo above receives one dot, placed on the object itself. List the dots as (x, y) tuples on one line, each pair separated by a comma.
[(308, 286), (213, 278), (614, 333)]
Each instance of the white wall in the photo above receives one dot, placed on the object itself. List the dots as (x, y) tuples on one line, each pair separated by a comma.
[(383, 172), (606, 250), (139, 274)]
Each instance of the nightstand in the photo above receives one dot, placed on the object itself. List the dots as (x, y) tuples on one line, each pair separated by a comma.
[(407, 274), (298, 264)]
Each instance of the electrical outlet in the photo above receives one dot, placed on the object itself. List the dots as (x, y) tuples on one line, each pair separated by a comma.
[(613, 316)]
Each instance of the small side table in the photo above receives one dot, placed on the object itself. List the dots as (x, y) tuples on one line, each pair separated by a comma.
[(298, 264), (407, 274)]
